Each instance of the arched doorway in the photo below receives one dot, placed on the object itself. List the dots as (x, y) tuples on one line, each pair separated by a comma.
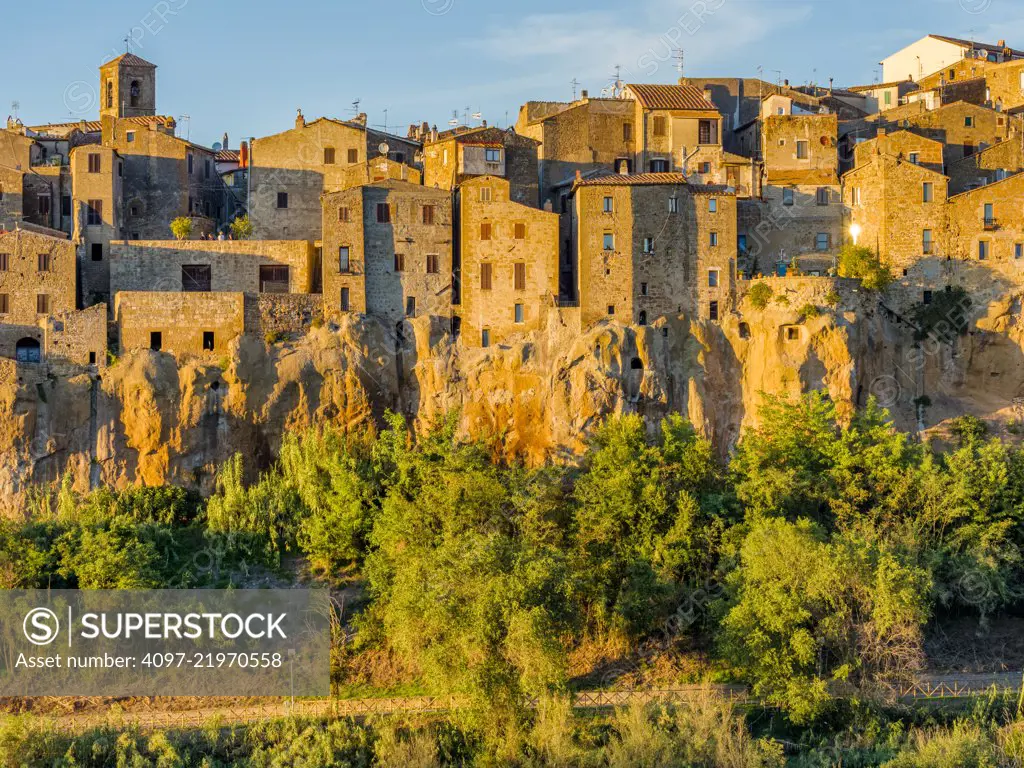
[(27, 350)]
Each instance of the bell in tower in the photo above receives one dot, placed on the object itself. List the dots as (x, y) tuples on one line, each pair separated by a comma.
[(128, 87)]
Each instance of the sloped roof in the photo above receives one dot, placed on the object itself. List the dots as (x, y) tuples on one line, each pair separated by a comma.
[(647, 180), (228, 156), (95, 126), (976, 46), (671, 97), (130, 60)]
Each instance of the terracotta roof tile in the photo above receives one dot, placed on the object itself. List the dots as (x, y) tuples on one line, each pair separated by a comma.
[(131, 60), (671, 97)]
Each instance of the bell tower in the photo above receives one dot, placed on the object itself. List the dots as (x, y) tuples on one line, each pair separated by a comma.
[(128, 87)]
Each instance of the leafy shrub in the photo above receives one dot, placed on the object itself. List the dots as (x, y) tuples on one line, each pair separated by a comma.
[(760, 294), (181, 228), (946, 317), (242, 228), (859, 262), (808, 311)]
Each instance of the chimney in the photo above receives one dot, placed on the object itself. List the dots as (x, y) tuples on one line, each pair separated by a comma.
[(584, 94), (707, 94), (300, 121), (623, 168), (433, 133), (579, 175), (786, 83), (224, 143), (243, 155), (882, 130), (1001, 43), (830, 81), (360, 119), (483, 124), (548, 206)]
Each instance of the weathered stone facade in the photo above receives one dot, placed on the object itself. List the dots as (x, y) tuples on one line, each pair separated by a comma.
[(97, 174), (906, 144), (990, 165), (179, 323), (652, 246), (242, 266), (455, 156), (1004, 81), (388, 251), (962, 128), (507, 265), (77, 338), (799, 143)]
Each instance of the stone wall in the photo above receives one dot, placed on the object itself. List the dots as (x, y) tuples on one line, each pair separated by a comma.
[(22, 282), (78, 337), (281, 313), (949, 125), (105, 186), (986, 166), (156, 265), (181, 319), (780, 137)]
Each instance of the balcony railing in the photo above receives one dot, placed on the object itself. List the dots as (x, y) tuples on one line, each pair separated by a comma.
[(991, 223)]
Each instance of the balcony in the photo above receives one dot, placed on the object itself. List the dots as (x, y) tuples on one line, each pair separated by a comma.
[(990, 224)]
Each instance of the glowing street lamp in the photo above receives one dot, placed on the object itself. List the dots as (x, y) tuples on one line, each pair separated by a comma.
[(855, 231)]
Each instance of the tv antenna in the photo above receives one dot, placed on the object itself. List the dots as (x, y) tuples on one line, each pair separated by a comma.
[(680, 57), (128, 43), (15, 106), (355, 107), (575, 84)]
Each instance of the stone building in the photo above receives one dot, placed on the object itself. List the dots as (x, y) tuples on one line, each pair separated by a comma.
[(228, 266), (34, 180), (153, 320), (906, 144), (987, 224), (992, 164), (388, 251), (586, 136), (506, 263), (37, 281), (127, 87), (881, 97), (961, 127), (379, 169), (800, 143), (897, 208), (651, 245), (1003, 81), (933, 53), (452, 157), (291, 170), (678, 129), (97, 174)]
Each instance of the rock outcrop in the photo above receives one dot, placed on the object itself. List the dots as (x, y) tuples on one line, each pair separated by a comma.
[(153, 419)]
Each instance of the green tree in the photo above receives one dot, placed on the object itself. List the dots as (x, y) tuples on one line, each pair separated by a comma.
[(760, 294), (241, 228), (860, 262), (181, 228)]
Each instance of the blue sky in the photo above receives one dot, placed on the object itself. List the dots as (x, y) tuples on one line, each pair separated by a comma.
[(244, 67)]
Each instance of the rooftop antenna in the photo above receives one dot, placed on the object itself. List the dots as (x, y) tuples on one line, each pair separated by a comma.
[(778, 77), (15, 106), (188, 133), (355, 107), (575, 84), (385, 119), (455, 118), (617, 85), (680, 57), (465, 116), (128, 43)]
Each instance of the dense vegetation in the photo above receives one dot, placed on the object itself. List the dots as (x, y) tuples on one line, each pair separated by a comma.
[(811, 565)]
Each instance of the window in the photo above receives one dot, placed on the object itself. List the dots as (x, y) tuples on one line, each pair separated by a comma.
[(328, 155), (609, 241), (383, 213), (156, 340), (428, 214), (110, 94), (95, 163), (914, 157), (97, 251), (673, 205), (983, 247), (792, 333), (519, 313), (134, 91), (952, 74), (4, 262), (519, 231), (94, 214), (1018, 250), (822, 196), (65, 205), (713, 278), (206, 168), (43, 262), (345, 300), (855, 196), (611, 309), (5, 305), (926, 297), (42, 303), (282, 200), (990, 215), (787, 196), (432, 264), (659, 166), (485, 338), (485, 276), (344, 215), (191, 163), (343, 259), (43, 203), (130, 137), (485, 230), (713, 239), (274, 278), (887, 98), (196, 277), (659, 126), (822, 241), (712, 205), (485, 194), (648, 244), (705, 167), (609, 205), (353, 156), (928, 192), (713, 310), (968, 121), (707, 132), (926, 242), (643, 289), (641, 319), (399, 262), (27, 351), (519, 275), (802, 150), (627, 128), (410, 306), (492, 155), (208, 341), (741, 243)]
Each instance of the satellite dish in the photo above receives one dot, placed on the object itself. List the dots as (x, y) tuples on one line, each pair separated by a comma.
[(418, 157), (384, 148), (983, 54), (217, 147)]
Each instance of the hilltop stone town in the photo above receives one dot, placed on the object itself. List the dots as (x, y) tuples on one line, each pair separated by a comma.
[(600, 255)]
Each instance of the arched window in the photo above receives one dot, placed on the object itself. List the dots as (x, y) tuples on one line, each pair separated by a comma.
[(642, 320), (110, 94), (27, 351), (135, 91)]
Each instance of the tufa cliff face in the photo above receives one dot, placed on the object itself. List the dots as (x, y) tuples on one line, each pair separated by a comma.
[(151, 419)]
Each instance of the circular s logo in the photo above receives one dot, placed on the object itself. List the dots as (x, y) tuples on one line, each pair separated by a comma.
[(41, 626)]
